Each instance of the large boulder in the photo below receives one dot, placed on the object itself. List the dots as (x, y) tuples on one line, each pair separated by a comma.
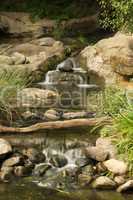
[(110, 60), (5, 148), (36, 98)]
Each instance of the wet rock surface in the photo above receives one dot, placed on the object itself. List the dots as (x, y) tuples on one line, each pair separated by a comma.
[(58, 160), (34, 155)]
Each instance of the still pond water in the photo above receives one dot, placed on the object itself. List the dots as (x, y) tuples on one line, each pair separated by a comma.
[(30, 191)]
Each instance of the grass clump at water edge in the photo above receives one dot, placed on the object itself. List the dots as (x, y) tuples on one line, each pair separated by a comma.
[(116, 104)]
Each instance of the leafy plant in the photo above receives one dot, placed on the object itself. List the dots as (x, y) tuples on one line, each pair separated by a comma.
[(116, 14)]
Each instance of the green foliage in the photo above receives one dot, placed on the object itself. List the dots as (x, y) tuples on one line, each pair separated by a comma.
[(116, 104), (116, 14), (54, 9), (112, 101), (124, 125), (10, 83)]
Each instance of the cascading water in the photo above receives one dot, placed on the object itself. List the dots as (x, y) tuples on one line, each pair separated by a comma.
[(71, 83)]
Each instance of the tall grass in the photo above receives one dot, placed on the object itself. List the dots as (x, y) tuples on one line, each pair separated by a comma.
[(10, 83), (117, 106)]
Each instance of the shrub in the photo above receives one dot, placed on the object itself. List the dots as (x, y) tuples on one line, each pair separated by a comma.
[(116, 14)]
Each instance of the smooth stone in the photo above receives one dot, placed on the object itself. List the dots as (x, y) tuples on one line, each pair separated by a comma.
[(34, 155), (116, 166), (103, 182), (58, 160), (40, 169), (119, 180), (5, 148), (96, 153), (126, 187), (52, 115), (13, 161), (6, 174), (84, 180), (18, 58), (106, 144)]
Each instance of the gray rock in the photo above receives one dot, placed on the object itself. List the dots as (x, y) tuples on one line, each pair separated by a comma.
[(5, 148), (34, 155), (126, 186), (13, 161), (66, 66), (96, 153), (40, 169), (103, 182), (58, 160), (116, 166)]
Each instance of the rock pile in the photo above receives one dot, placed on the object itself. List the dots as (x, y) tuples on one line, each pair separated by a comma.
[(93, 169)]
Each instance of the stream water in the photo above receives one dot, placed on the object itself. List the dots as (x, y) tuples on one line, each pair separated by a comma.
[(23, 191), (62, 142)]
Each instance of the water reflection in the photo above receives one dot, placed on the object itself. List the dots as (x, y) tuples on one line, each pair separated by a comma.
[(29, 191)]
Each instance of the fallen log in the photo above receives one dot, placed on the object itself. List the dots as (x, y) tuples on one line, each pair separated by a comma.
[(57, 125)]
